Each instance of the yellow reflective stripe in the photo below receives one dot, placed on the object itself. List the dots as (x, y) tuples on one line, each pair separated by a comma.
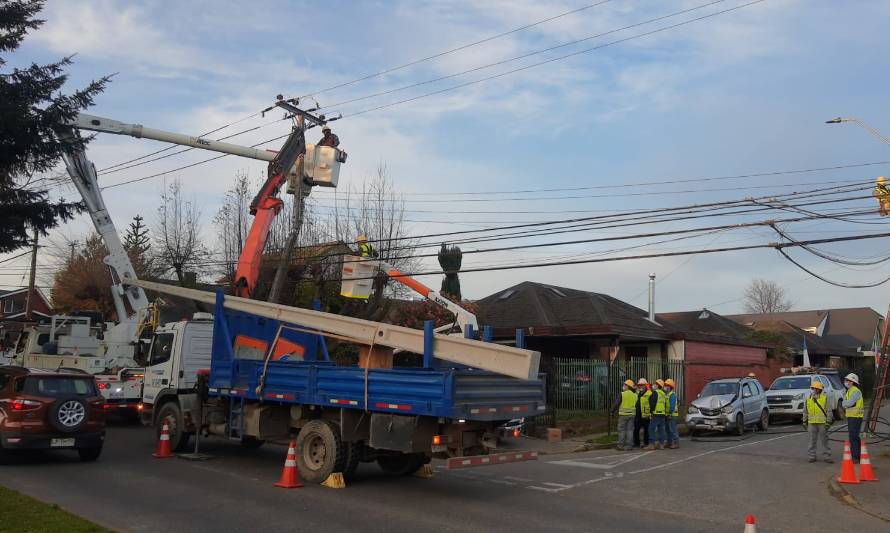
[(644, 404)]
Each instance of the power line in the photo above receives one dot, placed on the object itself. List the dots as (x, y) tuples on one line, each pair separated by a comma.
[(826, 280)]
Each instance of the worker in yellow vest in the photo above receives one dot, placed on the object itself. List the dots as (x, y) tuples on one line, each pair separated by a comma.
[(817, 417), (364, 247), (626, 407), (882, 194), (641, 420), (672, 415), (658, 409), (854, 406)]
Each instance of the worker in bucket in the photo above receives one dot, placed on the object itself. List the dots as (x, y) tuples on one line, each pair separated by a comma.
[(817, 418), (854, 407), (672, 414), (329, 138), (364, 247), (626, 407), (658, 409), (641, 420)]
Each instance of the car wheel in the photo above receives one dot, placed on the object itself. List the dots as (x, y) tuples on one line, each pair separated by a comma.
[(763, 425), (68, 415), (89, 455), (320, 452), (171, 414), (739, 424), (401, 464)]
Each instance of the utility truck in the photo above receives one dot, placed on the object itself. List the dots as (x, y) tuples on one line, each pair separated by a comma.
[(261, 371)]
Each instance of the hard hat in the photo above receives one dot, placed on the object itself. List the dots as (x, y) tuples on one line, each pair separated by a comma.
[(361, 238), (629, 383), (660, 382), (852, 377), (669, 382), (881, 180), (816, 384), (325, 128), (642, 381)]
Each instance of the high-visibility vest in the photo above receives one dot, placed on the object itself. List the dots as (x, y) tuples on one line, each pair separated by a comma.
[(644, 403), (366, 249), (659, 403), (628, 403), (814, 414), (667, 405), (858, 410)]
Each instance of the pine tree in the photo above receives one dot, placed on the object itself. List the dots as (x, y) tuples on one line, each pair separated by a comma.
[(31, 109), (137, 242)]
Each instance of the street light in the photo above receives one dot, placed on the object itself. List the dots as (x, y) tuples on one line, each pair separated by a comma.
[(863, 125)]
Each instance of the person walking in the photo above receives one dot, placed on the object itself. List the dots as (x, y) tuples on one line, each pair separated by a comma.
[(854, 410), (657, 409), (626, 406), (817, 418), (672, 415), (641, 418)]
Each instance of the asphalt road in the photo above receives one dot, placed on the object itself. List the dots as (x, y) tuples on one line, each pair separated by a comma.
[(704, 486)]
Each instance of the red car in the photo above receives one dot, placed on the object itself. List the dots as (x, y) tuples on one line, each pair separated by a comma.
[(44, 409)]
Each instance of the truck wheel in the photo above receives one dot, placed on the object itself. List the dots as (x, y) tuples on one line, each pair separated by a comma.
[(353, 457), (402, 464), (320, 452), (251, 443), (171, 414)]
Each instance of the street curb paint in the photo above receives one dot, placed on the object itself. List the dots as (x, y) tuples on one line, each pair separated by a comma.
[(844, 496)]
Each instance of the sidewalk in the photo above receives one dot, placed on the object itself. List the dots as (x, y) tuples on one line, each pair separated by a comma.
[(872, 498), (542, 446)]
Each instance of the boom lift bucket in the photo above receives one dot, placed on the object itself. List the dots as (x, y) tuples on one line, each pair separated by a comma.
[(357, 277)]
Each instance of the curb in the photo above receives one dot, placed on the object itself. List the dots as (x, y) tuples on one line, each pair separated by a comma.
[(838, 491)]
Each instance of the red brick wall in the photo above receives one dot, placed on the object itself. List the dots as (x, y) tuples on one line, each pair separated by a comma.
[(706, 361)]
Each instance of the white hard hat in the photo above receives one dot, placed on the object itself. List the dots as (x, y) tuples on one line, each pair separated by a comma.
[(852, 377), (326, 127), (642, 381)]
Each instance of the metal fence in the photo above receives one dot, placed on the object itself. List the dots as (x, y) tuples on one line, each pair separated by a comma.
[(579, 387)]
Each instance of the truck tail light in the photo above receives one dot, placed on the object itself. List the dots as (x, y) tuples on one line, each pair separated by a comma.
[(439, 440), (140, 406), (102, 386), (517, 433), (20, 404)]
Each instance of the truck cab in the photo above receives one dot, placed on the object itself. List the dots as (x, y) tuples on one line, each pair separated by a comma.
[(172, 359)]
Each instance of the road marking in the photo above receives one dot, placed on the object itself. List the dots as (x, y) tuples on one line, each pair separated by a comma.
[(588, 463), (691, 457), (544, 489), (523, 479), (501, 482), (560, 485)]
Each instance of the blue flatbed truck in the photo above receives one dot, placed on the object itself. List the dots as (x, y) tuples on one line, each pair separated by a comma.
[(251, 378)]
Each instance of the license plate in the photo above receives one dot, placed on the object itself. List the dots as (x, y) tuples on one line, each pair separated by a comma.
[(61, 443), (710, 422)]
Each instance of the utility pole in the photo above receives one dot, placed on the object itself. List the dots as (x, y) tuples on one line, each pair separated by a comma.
[(284, 261), (71, 245), (32, 278)]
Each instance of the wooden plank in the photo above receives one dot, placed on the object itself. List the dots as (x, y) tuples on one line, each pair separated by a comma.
[(506, 360)]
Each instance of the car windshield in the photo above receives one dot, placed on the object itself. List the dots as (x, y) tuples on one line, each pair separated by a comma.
[(58, 386), (791, 383), (716, 389)]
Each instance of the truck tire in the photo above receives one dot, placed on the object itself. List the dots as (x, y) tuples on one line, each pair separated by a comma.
[(353, 457), (171, 414), (402, 464), (320, 452)]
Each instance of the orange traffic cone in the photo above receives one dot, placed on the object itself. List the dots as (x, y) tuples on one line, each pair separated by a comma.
[(290, 478), (163, 450), (848, 471), (750, 524), (865, 471)]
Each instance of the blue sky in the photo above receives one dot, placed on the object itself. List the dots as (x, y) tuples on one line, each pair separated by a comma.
[(744, 92)]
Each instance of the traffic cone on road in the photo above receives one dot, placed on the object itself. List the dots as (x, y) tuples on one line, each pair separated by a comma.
[(865, 471), (848, 471), (163, 450), (750, 524), (290, 478)]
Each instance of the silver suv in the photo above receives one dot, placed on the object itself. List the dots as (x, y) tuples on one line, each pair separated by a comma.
[(728, 405), (788, 394)]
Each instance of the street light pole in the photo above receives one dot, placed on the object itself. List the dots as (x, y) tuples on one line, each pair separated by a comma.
[(861, 124)]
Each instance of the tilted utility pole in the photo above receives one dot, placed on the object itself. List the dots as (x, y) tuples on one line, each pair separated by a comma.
[(32, 278)]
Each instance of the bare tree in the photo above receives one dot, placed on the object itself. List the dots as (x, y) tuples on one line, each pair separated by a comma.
[(763, 296), (178, 241), (232, 222)]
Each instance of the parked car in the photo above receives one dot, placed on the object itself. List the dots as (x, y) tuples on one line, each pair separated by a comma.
[(787, 395), (729, 404), (44, 409)]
